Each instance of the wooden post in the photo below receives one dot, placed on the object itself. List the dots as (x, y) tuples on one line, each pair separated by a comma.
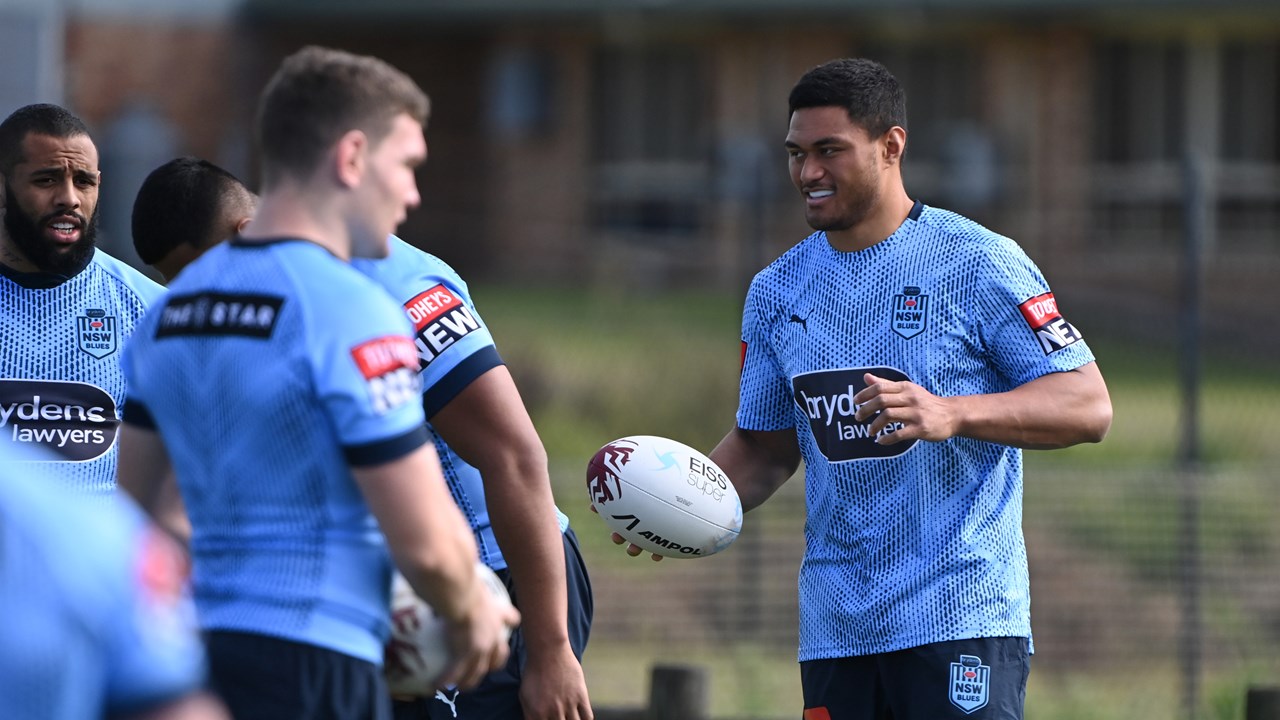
[(1262, 703), (678, 692)]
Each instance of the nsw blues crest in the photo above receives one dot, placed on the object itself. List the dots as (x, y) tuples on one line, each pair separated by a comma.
[(970, 683), (96, 333), (910, 312)]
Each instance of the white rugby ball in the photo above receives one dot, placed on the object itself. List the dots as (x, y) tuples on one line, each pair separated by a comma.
[(664, 496), (418, 650)]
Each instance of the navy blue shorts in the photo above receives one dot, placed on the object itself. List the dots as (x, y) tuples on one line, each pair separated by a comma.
[(982, 678), (498, 695), (266, 678)]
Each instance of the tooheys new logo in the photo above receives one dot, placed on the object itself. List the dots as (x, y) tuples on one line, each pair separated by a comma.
[(75, 421), (1053, 332), (441, 319), (826, 398), (390, 368)]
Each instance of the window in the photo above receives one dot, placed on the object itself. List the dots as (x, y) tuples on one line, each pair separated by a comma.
[(1139, 117), (650, 147)]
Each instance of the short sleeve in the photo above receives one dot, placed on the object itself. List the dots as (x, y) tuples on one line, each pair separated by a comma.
[(1021, 327), (365, 365), (764, 392), (454, 346)]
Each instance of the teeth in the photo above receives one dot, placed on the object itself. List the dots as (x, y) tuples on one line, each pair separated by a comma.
[(821, 193), (64, 226)]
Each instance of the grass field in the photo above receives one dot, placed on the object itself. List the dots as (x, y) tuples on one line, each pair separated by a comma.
[(596, 366)]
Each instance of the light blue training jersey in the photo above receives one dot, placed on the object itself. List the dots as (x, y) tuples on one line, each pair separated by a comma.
[(270, 369), (917, 542), (61, 388), (454, 348), (93, 618)]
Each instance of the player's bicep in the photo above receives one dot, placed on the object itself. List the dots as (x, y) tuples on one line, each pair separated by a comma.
[(487, 422)]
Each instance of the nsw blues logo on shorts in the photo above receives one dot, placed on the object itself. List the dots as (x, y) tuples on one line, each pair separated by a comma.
[(970, 683)]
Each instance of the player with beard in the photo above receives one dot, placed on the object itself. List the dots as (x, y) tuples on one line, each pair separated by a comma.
[(907, 355), (65, 306)]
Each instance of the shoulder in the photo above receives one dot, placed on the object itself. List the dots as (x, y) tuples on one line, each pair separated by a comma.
[(409, 271), (129, 279), (783, 275), (966, 240), (334, 294)]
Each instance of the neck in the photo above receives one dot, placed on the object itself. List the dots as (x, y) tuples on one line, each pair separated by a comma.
[(884, 219), (12, 257), (290, 210)]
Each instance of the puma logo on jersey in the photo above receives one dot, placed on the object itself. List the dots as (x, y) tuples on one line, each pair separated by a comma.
[(803, 322)]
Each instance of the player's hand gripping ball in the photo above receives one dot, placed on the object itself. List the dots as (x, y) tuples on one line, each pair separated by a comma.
[(664, 496), (418, 650)]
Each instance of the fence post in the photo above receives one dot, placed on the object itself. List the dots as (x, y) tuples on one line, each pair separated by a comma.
[(678, 692), (1262, 703)]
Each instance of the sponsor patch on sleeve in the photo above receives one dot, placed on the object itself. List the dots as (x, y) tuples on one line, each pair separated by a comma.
[(440, 319), (1050, 328), (389, 366)]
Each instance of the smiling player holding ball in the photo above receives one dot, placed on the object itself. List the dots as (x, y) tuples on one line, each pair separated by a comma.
[(907, 355)]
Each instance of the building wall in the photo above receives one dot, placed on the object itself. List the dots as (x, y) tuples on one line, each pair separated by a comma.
[(1085, 117)]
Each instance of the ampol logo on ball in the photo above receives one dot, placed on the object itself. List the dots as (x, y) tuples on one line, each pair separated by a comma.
[(664, 496)]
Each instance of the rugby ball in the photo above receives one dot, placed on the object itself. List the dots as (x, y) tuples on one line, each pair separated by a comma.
[(418, 650), (664, 496)]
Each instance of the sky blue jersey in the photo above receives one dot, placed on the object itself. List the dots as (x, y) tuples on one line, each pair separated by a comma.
[(61, 388), (270, 369), (454, 348), (93, 617), (917, 542)]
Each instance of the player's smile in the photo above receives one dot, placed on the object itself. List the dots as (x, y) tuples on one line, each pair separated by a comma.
[(814, 197)]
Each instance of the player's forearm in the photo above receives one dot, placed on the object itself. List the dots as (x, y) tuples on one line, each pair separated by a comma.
[(757, 463), (442, 570), (522, 511), (1054, 411), (430, 541)]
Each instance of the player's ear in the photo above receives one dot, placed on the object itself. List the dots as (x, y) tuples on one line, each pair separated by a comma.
[(894, 144), (349, 157), (244, 223)]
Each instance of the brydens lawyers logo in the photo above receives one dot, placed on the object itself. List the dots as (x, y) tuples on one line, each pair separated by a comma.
[(390, 367), (970, 683), (910, 312), (75, 421), (826, 398), (96, 333), (1053, 332), (440, 319)]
